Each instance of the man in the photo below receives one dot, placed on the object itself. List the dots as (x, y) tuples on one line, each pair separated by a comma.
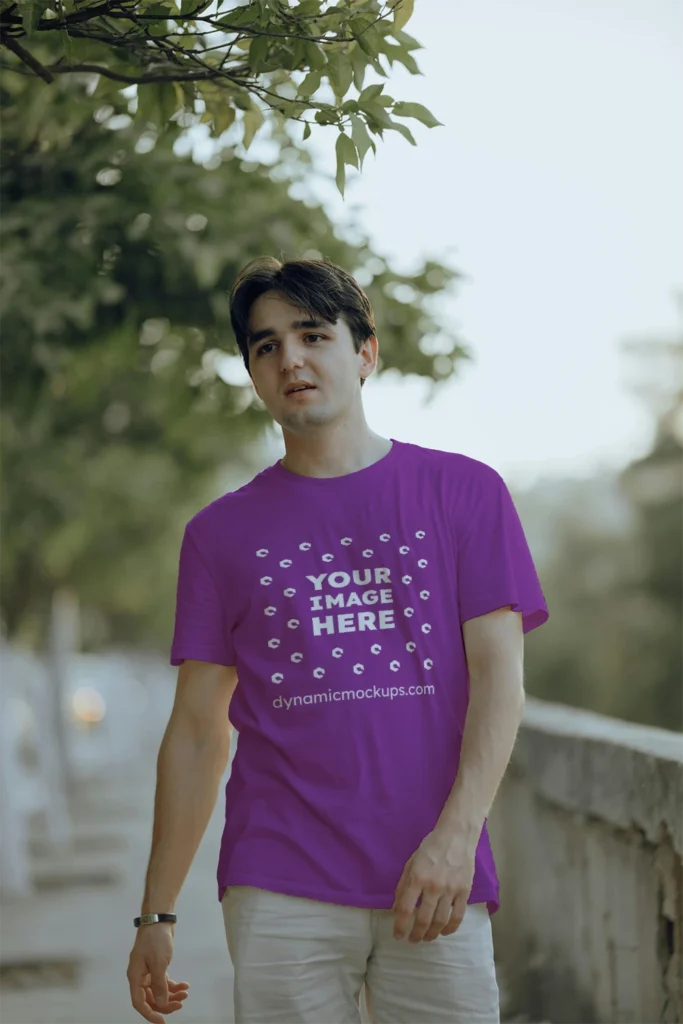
[(371, 598)]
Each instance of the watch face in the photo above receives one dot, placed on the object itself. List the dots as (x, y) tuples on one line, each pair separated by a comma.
[(153, 919)]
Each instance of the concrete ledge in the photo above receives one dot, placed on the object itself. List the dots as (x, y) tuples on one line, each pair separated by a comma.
[(587, 832), (626, 774)]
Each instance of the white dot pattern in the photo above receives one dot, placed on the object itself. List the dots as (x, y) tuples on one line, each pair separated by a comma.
[(376, 649)]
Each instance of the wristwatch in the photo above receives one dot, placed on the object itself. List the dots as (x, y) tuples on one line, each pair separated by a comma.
[(154, 919)]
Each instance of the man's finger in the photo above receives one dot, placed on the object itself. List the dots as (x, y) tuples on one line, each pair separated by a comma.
[(455, 920), (404, 908), (159, 988), (442, 915), (423, 918), (138, 998), (174, 1003)]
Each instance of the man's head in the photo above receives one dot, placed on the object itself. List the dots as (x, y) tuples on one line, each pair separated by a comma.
[(303, 321)]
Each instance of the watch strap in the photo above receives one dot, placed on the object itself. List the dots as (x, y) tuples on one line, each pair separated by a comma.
[(154, 919)]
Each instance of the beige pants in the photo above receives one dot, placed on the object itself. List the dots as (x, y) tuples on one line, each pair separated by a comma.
[(300, 961)]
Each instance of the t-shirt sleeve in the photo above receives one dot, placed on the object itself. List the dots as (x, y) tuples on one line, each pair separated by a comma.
[(494, 563), (202, 629)]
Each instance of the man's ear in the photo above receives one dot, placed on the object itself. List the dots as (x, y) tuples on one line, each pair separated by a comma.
[(370, 351)]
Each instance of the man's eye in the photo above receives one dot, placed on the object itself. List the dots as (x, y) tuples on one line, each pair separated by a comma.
[(313, 336), (263, 350)]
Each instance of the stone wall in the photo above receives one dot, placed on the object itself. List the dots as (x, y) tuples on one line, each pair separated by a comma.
[(587, 831)]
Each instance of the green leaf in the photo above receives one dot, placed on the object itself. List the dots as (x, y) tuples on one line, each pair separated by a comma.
[(346, 154), (241, 17), (358, 64), (374, 39), (417, 111), (148, 109), (314, 56), (68, 48), (253, 120), (406, 59), (157, 102), (241, 99), (298, 50), (346, 150), (365, 45), (370, 93), (340, 177), (307, 130), (403, 11), (404, 131), (366, 35), (378, 113), (361, 138), (223, 117), (258, 53), (167, 100), (406, 41), (310, 84), (325, 116), (340, 74), (31, 13)]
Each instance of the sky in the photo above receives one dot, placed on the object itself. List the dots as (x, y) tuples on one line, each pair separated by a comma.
[(554, 187)]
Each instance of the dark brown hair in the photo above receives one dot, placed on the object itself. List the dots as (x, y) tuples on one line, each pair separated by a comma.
[(319, 287)]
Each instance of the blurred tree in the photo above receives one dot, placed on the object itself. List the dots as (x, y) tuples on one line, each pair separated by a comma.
[(118, 365), (613, 580), (221, 63), (597, 649), (654, 484)]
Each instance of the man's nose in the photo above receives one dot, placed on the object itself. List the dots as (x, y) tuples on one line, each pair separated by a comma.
[(291, 355)]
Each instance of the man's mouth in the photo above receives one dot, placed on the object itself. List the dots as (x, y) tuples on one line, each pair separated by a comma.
[(296, 388)]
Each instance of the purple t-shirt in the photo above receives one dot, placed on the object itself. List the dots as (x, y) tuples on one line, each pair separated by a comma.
[(340, 601)]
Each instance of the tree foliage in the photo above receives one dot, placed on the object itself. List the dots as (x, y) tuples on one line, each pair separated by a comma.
[(119, 400), (225, 64), (615, 592)]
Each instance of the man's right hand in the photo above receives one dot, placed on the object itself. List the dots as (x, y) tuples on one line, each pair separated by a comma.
[(152, 992)]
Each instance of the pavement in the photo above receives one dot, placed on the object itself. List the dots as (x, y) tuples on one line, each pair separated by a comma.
[(64, 948), (80, 918)]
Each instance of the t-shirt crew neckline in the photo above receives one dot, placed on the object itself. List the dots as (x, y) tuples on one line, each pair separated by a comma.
[(358, 475)]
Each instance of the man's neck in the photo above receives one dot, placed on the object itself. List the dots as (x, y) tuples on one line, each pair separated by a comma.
[(333, 456)]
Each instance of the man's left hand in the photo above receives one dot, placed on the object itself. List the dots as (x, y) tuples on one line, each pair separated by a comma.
[(441, 872)]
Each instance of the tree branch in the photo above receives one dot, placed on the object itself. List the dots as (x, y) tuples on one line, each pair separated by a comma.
[(26, 58)]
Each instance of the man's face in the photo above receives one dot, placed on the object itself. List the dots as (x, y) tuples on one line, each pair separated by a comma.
[(289, 350)]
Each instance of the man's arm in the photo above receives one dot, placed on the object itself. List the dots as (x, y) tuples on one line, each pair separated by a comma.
[(442, 869), (192, 759), (494, 647)]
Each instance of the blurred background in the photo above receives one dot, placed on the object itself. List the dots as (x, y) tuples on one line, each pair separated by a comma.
[(525, 263)]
